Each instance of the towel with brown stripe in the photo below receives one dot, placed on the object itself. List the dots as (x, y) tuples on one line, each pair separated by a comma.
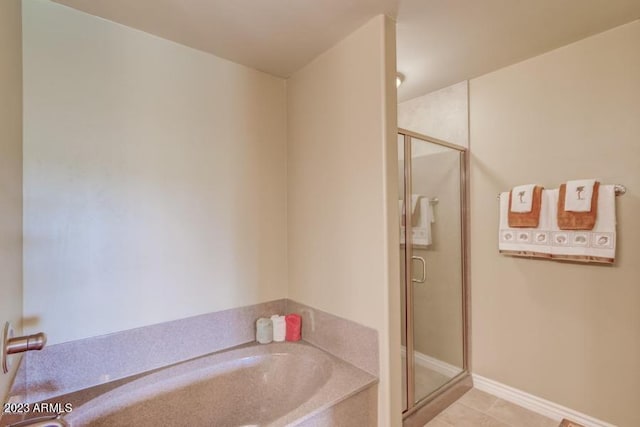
[(529, 219), (577, 220)]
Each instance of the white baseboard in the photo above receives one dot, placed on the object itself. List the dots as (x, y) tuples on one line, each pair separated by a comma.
[(534, 403), (434, 364)]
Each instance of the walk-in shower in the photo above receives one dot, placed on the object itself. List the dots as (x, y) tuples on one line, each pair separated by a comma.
[(434, 274)]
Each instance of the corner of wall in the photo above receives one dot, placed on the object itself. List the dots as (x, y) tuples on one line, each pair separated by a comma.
[(11, 173), (341, 136), (390, 153)]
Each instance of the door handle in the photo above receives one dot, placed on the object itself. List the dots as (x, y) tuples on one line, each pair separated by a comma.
[(424, 269)]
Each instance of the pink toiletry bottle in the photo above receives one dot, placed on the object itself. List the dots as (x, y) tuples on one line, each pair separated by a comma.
[(294, 326)]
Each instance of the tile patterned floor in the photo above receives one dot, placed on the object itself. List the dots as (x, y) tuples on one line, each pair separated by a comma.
[(426, 381), (479, 409)]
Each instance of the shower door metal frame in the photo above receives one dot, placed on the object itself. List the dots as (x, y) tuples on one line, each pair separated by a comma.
[(464, 376)]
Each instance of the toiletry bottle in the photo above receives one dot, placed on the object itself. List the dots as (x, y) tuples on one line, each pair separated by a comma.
[(294, 323), (279, 328), (264, 330)]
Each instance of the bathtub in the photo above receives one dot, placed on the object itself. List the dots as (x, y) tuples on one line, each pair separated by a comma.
[(276, 384)]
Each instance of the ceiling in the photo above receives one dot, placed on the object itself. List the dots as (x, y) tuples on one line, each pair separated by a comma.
[(275, 36), (439, 42), (442, 42)]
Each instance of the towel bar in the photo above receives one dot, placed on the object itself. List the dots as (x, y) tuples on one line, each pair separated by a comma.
[(618, 188), (432, 201)]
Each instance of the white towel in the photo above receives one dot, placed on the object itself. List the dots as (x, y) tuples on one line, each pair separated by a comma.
[(414, 202), (531, 241), (600, 242), (578, 195), (421, 227), (522, 198), (422, 231), (597, 245), (415, 199)]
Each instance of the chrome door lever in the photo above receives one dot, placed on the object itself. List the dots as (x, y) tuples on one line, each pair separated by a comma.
[(13, 345)]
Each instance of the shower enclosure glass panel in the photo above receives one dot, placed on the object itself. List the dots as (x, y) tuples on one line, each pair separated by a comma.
[(432, 183)]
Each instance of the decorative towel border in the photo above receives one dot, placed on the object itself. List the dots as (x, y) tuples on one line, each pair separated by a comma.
[(563, 238), (578, 258), (560, 245)]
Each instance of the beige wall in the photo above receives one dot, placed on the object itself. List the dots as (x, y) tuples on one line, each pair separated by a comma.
[(342, 202), (154, 178), (10, 173), (566, 332)]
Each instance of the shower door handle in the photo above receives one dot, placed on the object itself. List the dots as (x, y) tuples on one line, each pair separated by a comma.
[(424, 269)]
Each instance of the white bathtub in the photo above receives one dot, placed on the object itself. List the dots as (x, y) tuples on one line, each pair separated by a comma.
[(257, 385)]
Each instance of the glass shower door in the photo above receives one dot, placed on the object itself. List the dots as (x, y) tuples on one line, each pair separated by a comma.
[(433, 191)]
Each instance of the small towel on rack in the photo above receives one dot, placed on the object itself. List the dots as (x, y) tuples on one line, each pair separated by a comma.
[(532, 242), (577, 220), (579, 195), (422, 230), (415, 198), (530, 219), (523, 200), (595, 245)]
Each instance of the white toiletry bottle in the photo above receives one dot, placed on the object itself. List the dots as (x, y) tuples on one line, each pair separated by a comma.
[(279, 328)]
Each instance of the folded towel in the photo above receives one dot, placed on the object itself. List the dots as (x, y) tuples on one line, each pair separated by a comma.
[(422, 230), (421, 227), (415, 198), (577, 220), (579, 195), (526, 219), (523, 242), (595, 245), (523, 199), (414, 202)]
